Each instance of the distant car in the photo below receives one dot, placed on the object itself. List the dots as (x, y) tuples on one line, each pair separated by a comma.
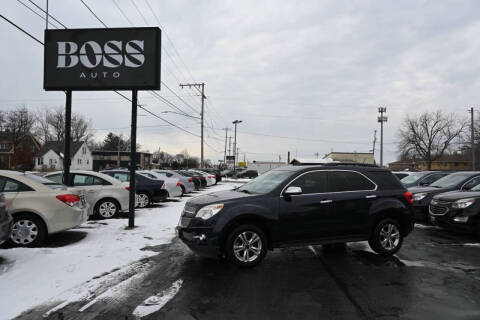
[(105, 195), (208, 177), (172, 185), (462, 181), (197, 180), (230, 173), (186, 183), (423, 178), (216, 172), (401, 174), (6, 220), (457, 211), (40, 207), (251, 174), (148, 190)]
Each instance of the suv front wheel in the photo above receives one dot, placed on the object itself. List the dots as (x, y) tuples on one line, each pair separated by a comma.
[(246, 246), (387, 237)]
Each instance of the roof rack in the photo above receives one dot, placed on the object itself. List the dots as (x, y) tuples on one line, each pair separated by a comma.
[(331, 164)]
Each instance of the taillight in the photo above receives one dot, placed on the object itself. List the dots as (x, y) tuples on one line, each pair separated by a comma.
[(163, 186), (128, 188), (197, 177), (408, 196), (190, 180), (69, 199), (178, 183)]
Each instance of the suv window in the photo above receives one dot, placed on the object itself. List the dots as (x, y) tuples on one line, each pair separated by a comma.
[(471, 183), (124, 177), (312, 182), (348, 181), (432, 178)]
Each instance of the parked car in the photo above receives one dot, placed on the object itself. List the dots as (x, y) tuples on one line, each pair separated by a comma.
[(186, 183), (148, 190), (105, 195), (6, 220), (200, 182), (208, 177), (401, 174), (172, 185), (299, 205), (230, 173), (216, 172), (250, 174), (422, 196), (40, 207), (457, 211), (423, 178)]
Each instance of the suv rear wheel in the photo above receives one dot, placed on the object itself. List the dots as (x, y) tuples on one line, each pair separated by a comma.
[(246, 246), (387, 237)]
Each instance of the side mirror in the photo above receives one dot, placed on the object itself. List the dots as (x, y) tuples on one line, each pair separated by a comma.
[(292, 191)]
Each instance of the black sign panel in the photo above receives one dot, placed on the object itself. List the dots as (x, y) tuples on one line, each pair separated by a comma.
[(230, 158), (102, 59)]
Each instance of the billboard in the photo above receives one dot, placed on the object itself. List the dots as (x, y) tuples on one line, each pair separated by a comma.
[(102, 59)]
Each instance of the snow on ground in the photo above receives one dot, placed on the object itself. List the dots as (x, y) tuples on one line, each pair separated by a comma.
[(33, 276), (241, 180)]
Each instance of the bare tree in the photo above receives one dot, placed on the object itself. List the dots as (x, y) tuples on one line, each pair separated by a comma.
[(42, 126), (18, 123), (80, 126), (429, 135)]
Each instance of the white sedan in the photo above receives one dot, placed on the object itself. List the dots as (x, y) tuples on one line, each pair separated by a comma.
[(173, 185), (40, 207), (106, 195)]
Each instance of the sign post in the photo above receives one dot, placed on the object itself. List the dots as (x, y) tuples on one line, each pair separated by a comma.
[(103, 59)]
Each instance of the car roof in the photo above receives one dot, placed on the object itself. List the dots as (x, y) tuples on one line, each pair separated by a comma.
[(330, 166)]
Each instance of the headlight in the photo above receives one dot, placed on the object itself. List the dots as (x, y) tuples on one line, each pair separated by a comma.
[(462, 204), (209, 211), (419, 196)]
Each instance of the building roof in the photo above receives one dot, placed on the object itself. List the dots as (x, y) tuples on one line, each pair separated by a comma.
[(58, 147), (311, 161), (363, 153)]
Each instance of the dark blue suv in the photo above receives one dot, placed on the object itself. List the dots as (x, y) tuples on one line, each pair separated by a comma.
[(300, 205)]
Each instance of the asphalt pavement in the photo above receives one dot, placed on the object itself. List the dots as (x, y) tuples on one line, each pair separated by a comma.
[(436, 275)]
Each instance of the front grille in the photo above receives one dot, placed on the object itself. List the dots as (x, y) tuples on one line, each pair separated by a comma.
[(438, 210), (188, 211)]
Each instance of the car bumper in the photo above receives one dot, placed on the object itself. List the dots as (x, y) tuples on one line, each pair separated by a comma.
[(6, 223), (420, 212), (175, 192), (448, 223), (201, 240), (160, 196)]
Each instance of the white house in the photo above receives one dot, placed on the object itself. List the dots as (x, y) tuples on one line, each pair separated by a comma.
[(50, 157)]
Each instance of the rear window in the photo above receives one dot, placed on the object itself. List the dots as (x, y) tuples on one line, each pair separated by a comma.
[(385, 180), (339, 181)]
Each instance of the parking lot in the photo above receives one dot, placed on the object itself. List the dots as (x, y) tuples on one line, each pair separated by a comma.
[(147, 273)]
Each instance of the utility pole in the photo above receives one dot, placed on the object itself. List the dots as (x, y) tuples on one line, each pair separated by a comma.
[(225, 152), (472, 137), (230, 145), (235, 149), (316, 154), (381, 118), (202, 86), (374, 143)]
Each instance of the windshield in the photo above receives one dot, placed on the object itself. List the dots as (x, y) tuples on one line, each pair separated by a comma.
[(414, 177), (449, 181), (266, 182), (44, 181)]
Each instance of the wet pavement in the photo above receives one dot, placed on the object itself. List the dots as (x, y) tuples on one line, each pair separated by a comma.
[(436, 275)]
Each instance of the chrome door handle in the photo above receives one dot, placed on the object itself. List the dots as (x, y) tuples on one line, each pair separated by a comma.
[(326, 201), (370, 196)]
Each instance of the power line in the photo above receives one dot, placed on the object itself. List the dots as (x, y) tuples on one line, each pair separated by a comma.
[(123, 13), (93, 13), (40, 8), (139, 12), (35, 12), (19, 28)]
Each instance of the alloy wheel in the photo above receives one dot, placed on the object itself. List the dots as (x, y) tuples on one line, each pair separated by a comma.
[(143, 200), (389, 236), (24, 232), (247, 246), (107, 209)]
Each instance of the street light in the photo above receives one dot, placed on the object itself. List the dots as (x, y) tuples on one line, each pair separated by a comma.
[(381, 118), (235, 144)]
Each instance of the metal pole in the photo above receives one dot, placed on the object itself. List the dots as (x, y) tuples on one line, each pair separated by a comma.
[(68, 129), (202, 164), (133, 154), (473, 138), (381, 143), (235, 147), (225, 152), (46, 18)]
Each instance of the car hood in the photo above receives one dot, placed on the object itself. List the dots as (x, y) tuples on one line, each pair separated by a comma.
[(427, 189), (216, 197), (457, 195)]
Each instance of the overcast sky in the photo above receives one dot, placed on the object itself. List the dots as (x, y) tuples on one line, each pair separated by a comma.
[(304, 76)]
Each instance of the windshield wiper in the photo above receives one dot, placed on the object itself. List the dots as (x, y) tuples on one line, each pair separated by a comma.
[(245, 191)]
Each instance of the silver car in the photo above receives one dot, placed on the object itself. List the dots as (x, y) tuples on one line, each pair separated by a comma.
[(186, 183), (40, 207), (106, 195), (172, 185)]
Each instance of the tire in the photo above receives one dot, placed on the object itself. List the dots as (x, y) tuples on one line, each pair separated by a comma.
[(241, 237), (106, 208), (386, 238), (144, 200), (28, 230)]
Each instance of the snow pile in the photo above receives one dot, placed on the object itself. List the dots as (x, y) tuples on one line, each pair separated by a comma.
[(33, 276), (156, 302)]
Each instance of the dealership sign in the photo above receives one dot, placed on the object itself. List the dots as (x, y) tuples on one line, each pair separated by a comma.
[(102, 59)]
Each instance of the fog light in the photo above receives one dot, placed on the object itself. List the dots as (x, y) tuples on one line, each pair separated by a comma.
[(200, 237), (460, 219)]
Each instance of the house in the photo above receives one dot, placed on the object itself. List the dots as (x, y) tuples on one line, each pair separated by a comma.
[(455, 161), (22, 158), (357, 157), (305, 161), (50, 157), (111, 159)]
